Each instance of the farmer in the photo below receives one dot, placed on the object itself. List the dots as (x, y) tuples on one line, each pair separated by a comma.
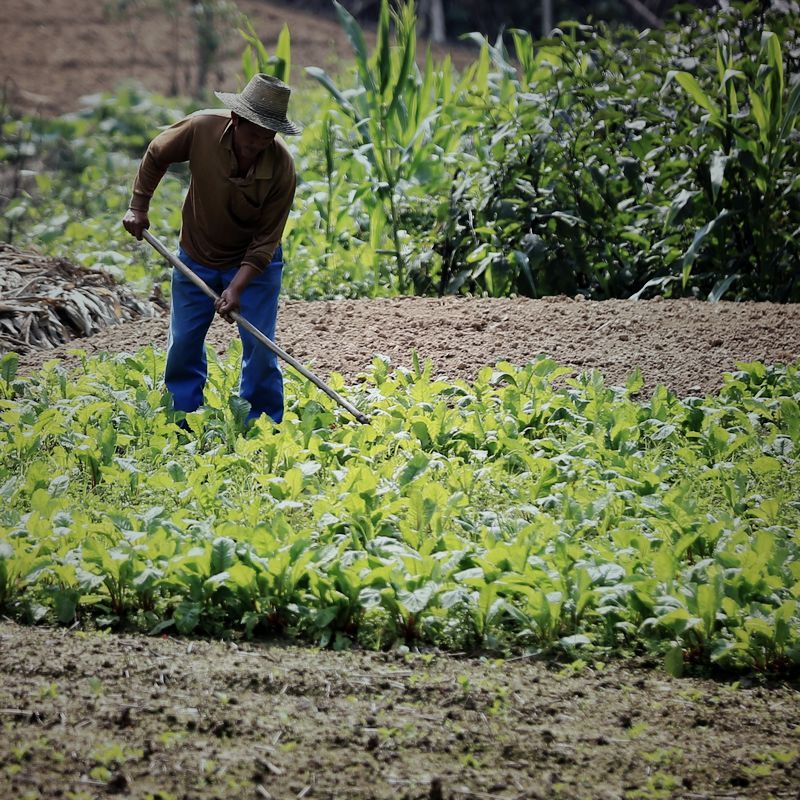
[(240, 193)]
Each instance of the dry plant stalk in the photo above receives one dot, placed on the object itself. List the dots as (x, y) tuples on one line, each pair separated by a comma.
[(45, 302)]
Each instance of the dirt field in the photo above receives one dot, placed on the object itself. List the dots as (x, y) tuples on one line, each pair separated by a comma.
[(685, 344), (52, 52), (87, 715), (90, 715)]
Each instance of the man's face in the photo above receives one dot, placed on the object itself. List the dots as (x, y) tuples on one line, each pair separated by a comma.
[(251, 139)]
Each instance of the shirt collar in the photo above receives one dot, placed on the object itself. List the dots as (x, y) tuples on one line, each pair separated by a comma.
[(266, 161)]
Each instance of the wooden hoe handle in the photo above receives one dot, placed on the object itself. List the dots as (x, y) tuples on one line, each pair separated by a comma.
[(250, 328)]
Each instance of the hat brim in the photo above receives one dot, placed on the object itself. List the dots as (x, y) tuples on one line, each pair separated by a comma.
[(279, 124)]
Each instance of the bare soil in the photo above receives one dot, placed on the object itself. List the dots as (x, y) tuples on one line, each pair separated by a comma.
[(88, 715), (685, 344), (53, 52)]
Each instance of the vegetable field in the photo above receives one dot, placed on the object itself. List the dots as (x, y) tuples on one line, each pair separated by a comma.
[(504, 515), (586, 543), (562, 560)]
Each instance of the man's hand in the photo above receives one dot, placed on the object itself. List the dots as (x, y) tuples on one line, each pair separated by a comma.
[(135, 222), (228, 302)]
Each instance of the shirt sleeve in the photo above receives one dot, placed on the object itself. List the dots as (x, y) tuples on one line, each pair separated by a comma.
[(169, 147), (276, 210)]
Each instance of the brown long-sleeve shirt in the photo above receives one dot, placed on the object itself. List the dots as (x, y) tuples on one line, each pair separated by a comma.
[(227, 220)]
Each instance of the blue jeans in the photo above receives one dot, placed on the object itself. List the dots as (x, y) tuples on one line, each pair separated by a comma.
[(261, 381)]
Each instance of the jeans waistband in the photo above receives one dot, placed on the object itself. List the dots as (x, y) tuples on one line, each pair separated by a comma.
[(277, 257)]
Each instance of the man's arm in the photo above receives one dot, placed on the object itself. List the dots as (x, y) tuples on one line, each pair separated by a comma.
[(259, 254), (170, 147)]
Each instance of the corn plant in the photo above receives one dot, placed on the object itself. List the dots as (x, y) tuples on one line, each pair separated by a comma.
[(405, 120), (588, 181), (748, 173), (256, 57)]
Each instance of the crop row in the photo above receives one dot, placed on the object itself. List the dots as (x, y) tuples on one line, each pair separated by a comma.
[(526, 511)]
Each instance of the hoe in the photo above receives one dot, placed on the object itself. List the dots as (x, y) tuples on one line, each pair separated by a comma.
[(248, 326)]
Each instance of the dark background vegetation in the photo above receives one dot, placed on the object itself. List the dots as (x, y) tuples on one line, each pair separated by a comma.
[(490, 16)]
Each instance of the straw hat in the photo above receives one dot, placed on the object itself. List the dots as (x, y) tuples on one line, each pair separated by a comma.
[(263, 101)]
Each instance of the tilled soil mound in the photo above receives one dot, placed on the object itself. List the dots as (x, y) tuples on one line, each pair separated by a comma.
[(686, 345)]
